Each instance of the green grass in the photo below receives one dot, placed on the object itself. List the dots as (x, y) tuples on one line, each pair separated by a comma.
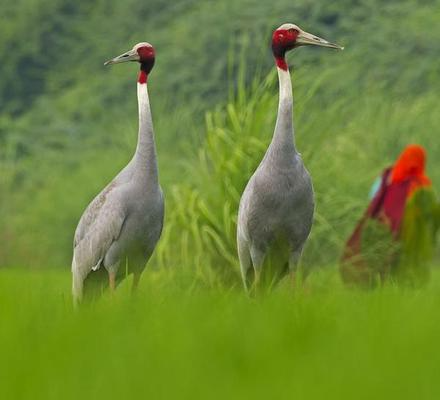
[(180, 338)]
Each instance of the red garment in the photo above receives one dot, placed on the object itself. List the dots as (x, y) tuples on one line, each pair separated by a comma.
[(411, 166), (388, 205)]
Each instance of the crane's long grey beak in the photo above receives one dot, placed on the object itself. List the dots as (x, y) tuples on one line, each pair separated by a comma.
[(131, 55), (305, 39)]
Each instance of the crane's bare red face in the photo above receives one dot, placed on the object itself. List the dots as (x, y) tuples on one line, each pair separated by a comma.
[(146, 58), (146, 54), (284, 40)]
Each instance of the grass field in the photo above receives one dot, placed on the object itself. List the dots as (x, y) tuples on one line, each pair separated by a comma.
[(180, 339), (68, 125)]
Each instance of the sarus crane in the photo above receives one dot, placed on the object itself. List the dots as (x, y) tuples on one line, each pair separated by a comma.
[(276, 208), (118, 231)]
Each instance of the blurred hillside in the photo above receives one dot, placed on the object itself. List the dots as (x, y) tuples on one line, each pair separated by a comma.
[(67, 124)]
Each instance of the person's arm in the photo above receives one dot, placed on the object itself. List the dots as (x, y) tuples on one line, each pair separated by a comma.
[(375, 187)]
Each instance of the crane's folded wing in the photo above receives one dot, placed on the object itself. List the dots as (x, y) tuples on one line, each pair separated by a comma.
[(98, 228)]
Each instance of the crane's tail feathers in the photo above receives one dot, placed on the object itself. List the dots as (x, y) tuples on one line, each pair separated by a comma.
[(77, 284), (88, 286)]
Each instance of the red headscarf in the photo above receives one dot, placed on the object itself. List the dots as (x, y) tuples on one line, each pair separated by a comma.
[(411, 166)]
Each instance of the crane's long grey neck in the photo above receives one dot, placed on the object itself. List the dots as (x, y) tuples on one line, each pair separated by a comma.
[(282, 145), (145, 156)]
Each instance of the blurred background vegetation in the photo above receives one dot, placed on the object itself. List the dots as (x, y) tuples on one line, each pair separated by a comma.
[(67, 124)]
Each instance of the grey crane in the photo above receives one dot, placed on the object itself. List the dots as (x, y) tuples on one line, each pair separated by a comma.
[(276, 208), (122, 225)]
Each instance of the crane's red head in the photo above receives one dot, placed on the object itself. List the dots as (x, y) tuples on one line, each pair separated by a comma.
[(283, 40), (143, 53), (290, 36)]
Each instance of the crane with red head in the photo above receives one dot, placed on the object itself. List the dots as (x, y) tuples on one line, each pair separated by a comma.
[(276, 208), (123, 223)]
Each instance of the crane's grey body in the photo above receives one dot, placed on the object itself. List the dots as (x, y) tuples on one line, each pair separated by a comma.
[(277, 205), (121, 226)]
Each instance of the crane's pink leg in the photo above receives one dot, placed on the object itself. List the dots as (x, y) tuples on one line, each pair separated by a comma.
[(112, 280), (293, 280), (293, 267), (257, 280)]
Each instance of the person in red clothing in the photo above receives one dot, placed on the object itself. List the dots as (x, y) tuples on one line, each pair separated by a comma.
[(374, 247)]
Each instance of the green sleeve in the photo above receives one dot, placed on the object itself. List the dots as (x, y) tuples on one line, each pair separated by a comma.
[(417, 236)]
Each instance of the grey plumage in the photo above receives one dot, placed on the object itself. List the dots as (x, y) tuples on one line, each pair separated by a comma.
[(121, 226), (276, 209)]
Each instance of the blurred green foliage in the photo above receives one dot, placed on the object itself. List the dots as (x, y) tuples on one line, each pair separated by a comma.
[(67, 124), (419, 229)]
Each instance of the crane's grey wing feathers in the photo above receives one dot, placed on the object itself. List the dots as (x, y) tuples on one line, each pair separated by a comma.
[(99, 227), (92, 212)]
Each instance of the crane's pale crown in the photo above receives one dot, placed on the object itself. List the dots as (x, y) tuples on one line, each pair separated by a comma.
[(286, 27), (142, 44)]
